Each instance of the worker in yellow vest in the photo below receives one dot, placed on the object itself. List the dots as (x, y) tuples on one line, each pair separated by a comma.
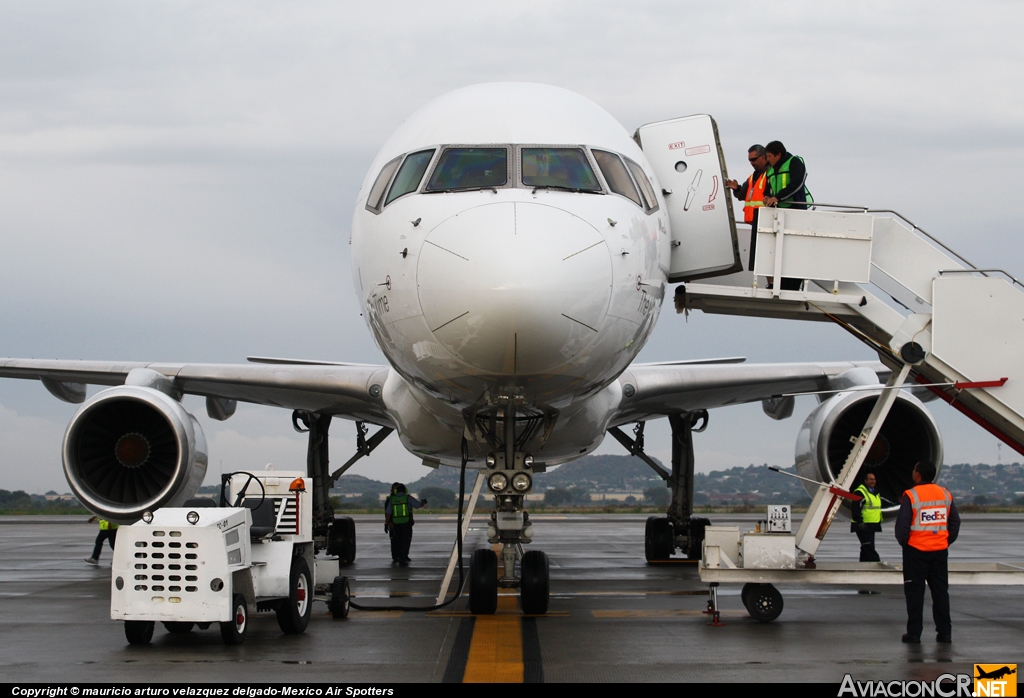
[(926, 526), (867, 517), (398, 522), (751, 192), (108, 532)]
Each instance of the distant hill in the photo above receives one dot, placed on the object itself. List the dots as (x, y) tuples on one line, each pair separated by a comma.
[(980, 484)]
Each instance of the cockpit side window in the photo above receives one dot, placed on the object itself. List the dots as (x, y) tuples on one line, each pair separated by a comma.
[(380, 184), (558, 168), (616, 175), (650, 200), (469, 168), (409, 174)]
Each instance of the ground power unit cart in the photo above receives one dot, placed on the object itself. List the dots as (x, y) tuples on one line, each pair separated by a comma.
[(199, 565)]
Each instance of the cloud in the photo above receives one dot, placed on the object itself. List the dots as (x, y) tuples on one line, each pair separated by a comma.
[(177, 179)]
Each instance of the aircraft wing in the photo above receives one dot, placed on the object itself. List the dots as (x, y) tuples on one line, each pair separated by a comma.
[(661, 389), (336, 389)]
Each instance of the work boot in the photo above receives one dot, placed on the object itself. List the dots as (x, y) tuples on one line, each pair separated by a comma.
[(911, 640), (944, 639), (92, 561)]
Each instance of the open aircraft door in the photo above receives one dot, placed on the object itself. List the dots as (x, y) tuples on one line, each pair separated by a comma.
[(687, 160)]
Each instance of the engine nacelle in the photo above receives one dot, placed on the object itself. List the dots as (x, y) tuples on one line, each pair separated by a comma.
[(908, 435), (131, 449)]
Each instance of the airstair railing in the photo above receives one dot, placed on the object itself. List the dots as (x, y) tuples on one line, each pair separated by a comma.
[(850, 208)]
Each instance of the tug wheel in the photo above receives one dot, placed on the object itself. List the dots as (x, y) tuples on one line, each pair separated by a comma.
[(763, 602), (232, 632), (293, 614), (139, 632)]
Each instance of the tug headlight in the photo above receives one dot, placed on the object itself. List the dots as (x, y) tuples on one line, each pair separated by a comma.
[(147, 516), (192, 517)]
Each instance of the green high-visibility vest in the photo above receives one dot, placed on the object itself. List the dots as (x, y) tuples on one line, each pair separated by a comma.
[(871, 507), (779, 180), (107, 525), (400, 508)]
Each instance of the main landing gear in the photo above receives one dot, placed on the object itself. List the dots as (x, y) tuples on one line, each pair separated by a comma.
[(337, 535), (509, 477), (679, 529)]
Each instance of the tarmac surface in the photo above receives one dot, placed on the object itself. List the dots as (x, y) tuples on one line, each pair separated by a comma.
[(612, 617)]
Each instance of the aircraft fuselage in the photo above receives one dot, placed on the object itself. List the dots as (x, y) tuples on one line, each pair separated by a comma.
[(511, 267)]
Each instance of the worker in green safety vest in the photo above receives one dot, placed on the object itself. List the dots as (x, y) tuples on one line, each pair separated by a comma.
[(398, 522), (867, 517), (786, 188), (787, 178), (108, 532)]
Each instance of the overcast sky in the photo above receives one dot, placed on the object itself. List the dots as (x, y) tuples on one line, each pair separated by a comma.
[(177, 179)]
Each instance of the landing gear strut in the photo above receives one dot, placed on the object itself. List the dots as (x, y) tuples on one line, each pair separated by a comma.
[(509, 477), (335, 534), (679, 529)]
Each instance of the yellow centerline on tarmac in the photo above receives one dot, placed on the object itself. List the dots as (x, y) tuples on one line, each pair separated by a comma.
[(496, 651)]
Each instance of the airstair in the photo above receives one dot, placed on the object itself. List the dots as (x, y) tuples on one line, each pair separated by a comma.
[(933, 317)]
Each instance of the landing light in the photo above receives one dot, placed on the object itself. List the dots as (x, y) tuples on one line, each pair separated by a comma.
[(490, 461), (521, 482), (497, 482)]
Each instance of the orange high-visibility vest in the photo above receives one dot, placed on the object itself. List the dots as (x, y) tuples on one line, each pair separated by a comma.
[(928, 529), (755, 195)]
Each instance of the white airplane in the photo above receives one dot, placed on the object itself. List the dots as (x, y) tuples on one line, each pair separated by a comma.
[(511, 248)]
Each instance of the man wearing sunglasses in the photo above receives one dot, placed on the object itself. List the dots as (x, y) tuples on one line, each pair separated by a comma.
[(751, 192)]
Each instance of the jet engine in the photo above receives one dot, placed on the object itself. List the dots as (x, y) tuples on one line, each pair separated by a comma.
[(908, 435), (133, 449)]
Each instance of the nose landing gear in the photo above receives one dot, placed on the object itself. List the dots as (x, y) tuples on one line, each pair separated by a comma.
[(509, 528), (509, 477)]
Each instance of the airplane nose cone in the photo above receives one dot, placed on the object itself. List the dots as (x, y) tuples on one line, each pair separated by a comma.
[(514, 288)]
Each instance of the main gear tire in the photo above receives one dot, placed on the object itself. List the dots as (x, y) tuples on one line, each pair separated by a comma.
[(483, 582), (342, 540), (695, 549), (659, 542)]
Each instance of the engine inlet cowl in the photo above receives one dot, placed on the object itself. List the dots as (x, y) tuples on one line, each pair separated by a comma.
[(133, 449), (908, 435)]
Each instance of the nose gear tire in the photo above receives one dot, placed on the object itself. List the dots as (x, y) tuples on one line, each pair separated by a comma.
[(534, 585), (483, 582)]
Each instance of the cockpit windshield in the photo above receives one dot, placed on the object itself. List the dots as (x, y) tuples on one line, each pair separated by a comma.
[(469, 168), (558, 168)]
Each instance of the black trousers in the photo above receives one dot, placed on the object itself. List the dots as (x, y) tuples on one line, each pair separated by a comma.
[(867, 546), (919, 568), (108, 535), (401, 539)]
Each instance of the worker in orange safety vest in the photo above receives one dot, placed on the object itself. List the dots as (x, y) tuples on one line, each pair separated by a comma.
[(926, 526), (751, 192)]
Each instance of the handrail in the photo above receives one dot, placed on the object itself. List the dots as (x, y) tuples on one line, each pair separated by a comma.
[(983, 271), (914, 226)]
